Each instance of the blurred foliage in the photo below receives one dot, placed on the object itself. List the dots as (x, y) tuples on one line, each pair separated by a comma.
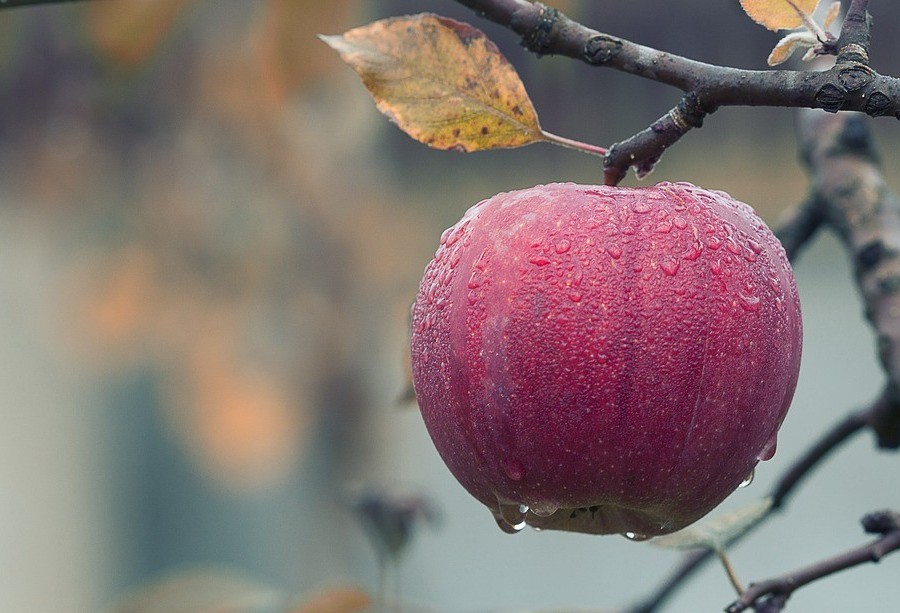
[(204, 176)]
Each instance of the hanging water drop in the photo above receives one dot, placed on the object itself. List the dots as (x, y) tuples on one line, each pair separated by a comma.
[(748, 479), (635, 536), (769, 450), (509, 528), (513, 513)]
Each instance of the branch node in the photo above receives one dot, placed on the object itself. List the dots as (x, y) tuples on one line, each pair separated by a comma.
[(878, 104), (855, 76), (538, 39), (853, 53), (601, 48), (881, 522), (830, 98)]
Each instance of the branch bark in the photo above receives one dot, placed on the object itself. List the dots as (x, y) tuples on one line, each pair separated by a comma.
[(772, 594), (849, 85)]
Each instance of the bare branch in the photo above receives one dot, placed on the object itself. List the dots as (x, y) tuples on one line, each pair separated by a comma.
[(10, 4), (849, 85), (886, 523)]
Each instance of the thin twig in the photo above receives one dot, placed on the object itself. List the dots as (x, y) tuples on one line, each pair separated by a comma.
[(785, 585), (11, 4)]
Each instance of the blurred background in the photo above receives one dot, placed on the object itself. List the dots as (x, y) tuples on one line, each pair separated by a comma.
[(209, 242)]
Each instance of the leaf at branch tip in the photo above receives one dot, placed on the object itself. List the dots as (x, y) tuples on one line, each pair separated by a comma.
[(833, 11), (787, 45), (778, 14), (716, 533), (442, 82)]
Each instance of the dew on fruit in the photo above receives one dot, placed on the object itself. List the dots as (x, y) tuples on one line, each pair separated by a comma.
[(716, 267), (693, 253), (768, 452), (664, 227), (614, 252), (680, 222), (713, 242), (635, 536), (669, 266), (748, 479), (538, 260), (544, 510), (513, 469), (642, 206), (509, 528), (749, 303), (732, 246), (563, 246), (575, 296), (512, 514)]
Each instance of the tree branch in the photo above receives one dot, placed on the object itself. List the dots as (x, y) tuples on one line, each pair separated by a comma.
[(849, 85), (11, 4), (771, 595)]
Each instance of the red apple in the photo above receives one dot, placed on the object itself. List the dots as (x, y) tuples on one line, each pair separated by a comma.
[(604, 359)]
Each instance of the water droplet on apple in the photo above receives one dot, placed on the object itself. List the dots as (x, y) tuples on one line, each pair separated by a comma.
[(614, 252), (748, 479), (514, 469), (669, 266), (538, 260), (544, 510), (749, 303), (641, 206), (563, 246), (509, 528), (513, 513), (768, 452)]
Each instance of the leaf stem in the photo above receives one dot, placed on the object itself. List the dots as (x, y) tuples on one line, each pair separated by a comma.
[(562, 141), (729, 570)]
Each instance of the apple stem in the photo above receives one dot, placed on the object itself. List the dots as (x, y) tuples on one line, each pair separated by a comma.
[(573, 144), (729, 570)]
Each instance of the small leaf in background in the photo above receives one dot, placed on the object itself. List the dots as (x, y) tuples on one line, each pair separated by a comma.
[(336, 600), (129, 31), (203, 590), (717, 532), (833, 11), (289, 61), (778, 14), (442, 82)]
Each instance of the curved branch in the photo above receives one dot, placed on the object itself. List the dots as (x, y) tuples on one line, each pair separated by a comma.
[(849, 85), (771, 595)]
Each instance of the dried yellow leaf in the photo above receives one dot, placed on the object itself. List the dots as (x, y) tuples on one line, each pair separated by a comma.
[(441, 81), (779, 14)]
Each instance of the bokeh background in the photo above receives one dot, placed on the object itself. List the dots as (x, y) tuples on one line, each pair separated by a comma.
[(209, 241)]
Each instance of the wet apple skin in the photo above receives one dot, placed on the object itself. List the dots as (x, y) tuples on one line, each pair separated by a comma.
[(615, 359)]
